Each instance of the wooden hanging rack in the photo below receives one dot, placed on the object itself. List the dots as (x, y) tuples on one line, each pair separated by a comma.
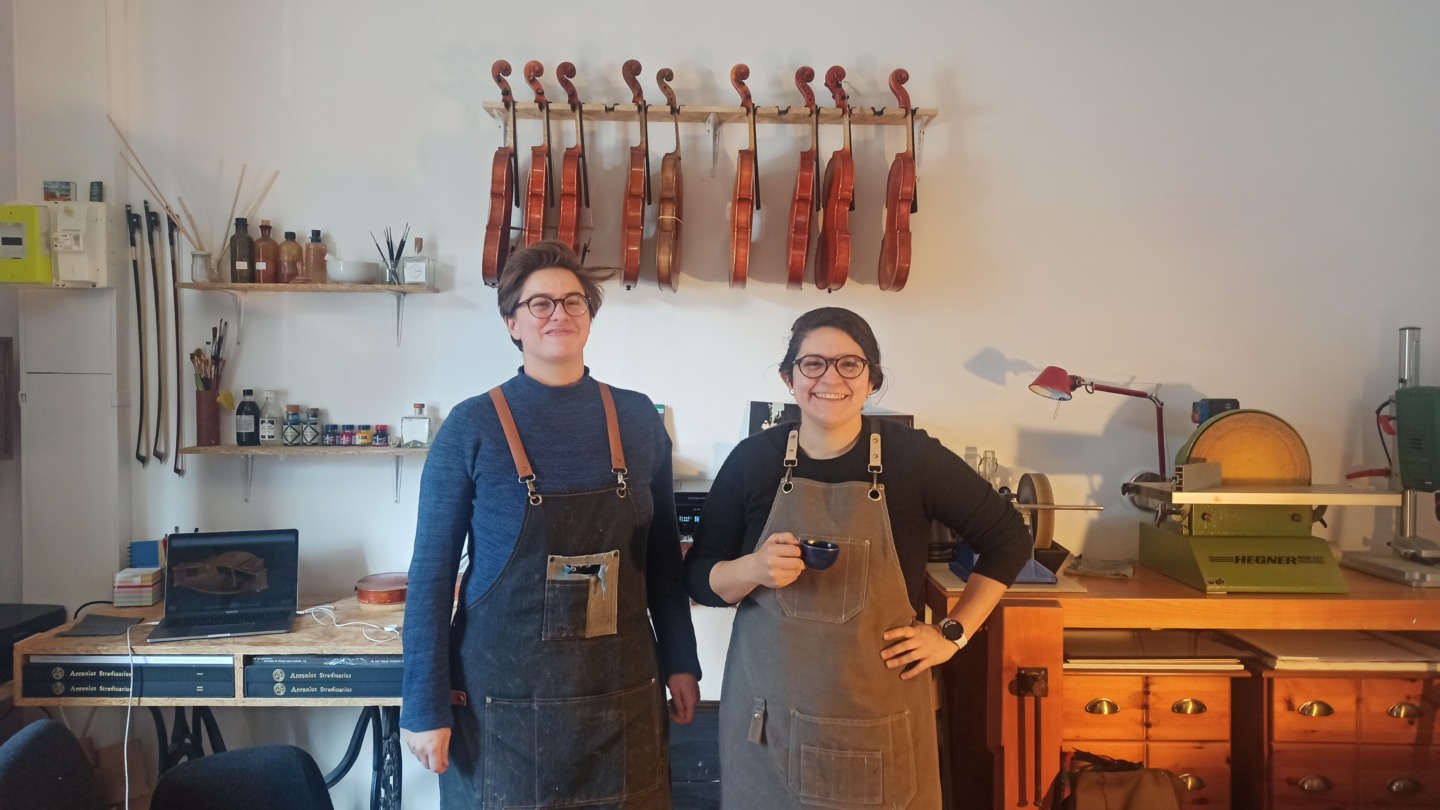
[(696, 114)]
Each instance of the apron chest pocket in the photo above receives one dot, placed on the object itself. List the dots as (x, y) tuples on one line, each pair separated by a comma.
[(582, 596), (572, 752), (836, 594), (852, 764)]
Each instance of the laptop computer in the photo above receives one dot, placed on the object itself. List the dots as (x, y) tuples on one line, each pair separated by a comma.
[(220, 584)]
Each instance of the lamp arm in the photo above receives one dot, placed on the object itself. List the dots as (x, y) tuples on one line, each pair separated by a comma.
[(1164, 467)]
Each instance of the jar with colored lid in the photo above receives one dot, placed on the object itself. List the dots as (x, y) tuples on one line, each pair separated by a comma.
[(364, 435), (382, 436), (331, 436), (347, 435)]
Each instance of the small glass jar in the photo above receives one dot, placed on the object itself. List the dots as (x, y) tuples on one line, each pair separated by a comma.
[(347, 435), (201, 270), (331, 436), (382, 436), (364, 436)]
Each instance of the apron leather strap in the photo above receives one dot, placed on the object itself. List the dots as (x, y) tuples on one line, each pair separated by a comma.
[(512, 436), (617, 453), (523, 469)]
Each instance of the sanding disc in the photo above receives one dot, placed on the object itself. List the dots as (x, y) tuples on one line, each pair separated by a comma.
[(1254, 448), (1034, 488)]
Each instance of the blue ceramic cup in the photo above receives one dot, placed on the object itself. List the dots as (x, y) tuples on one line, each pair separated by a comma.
[(818, 554)]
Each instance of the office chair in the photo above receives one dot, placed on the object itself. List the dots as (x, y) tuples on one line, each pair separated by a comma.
[(276, 777), (43, 768)]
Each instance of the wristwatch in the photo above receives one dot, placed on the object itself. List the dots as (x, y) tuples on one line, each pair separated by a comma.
[(954, 631)]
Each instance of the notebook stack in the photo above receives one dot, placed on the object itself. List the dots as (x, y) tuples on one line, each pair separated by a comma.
[(139, 587), (323, 676)]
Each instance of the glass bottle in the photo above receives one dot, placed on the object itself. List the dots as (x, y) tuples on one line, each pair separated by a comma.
[(347, 435), (415, 428), (382, 436), (990, 468), (292, 434), (267, 256), (242, 254), (363, 435), (310, 433), (291, 259), (247, 418), (417, 269), (270, 419), (315, 259)]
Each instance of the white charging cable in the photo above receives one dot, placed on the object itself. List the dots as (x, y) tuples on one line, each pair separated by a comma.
[(392, 632)]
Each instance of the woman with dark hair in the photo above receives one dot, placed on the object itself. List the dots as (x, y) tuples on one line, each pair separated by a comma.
[(822, 703), (544, 689)]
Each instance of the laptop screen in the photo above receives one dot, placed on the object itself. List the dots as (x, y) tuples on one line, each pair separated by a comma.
[(224, 573)]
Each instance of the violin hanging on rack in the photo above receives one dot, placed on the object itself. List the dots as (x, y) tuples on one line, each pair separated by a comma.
[(668, 218), (807, 188), (900, 199), (832, 253), (746, 200), (504, 193), (574, 170), (539, 191), (637, 187)]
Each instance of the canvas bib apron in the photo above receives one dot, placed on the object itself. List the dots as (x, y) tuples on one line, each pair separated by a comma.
[(557, 661), (809, 714)]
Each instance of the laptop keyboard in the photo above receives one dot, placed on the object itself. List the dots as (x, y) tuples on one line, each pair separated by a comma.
[(226, 621)]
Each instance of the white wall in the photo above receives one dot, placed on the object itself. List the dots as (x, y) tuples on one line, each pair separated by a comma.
[(1229, 199), (9, 470)]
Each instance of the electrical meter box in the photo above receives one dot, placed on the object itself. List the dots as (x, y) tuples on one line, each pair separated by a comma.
[(1417, 439), (25, 245), (63, 244)]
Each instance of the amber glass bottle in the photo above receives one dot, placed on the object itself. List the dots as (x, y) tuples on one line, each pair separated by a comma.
[(315, 259), (242, 254), (291, 260), (267, 256)]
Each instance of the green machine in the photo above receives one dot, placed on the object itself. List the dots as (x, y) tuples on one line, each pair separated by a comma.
[(1238, 516)]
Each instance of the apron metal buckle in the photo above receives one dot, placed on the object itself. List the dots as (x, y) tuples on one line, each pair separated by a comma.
[(621, 487), (535, 497)]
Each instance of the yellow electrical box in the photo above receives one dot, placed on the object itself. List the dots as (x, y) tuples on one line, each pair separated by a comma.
[(25, 245)]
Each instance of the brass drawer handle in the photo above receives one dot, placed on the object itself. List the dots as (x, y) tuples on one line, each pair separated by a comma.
[(1403, 786), (1189, 706), (1315, 708), (1192, 782), (1404, 711), (1102, 706), (1316, 784)]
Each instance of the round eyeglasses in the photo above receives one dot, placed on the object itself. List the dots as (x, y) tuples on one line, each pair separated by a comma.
[(543, 306), (814, 366)]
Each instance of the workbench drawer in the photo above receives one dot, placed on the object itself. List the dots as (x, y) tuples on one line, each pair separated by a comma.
[(1398, 710), (1313, 777), (1320, 710), (1203, 766), (1104, 707), (1399, 776), (1187, 707)]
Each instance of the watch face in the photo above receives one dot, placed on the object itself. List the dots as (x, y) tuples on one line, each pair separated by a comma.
[(952, 630)]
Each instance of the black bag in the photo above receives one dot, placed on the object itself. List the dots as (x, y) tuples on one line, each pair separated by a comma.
[(1093, 782)]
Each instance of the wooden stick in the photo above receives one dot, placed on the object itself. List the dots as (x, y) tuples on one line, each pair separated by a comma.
[(155, 192), (146, 175), (225, 237), (194, 238), (255, 207)]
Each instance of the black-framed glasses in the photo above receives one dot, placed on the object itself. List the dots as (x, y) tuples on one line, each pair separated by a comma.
[(543, 306), (814, 366)]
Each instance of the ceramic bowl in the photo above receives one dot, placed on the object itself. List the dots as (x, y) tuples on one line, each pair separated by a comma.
[(350, 271), (818, 554)]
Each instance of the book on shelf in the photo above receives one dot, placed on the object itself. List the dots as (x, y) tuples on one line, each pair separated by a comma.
[(1341, 650), (126, 660), (353, 689), (151, 672), (328, 660), (1152, 651), (272, 673), (121, 688)]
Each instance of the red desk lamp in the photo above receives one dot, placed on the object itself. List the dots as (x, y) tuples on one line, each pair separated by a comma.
[(1058, 384)]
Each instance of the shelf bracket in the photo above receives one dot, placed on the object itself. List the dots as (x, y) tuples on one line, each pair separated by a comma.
[(399, 315), (398, 474), (239, 298), (249, 473), (712, 125)]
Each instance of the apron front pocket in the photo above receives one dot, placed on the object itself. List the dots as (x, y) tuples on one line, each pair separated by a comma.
[(835, 594), (572, 752), (582, 596), (850, 764)]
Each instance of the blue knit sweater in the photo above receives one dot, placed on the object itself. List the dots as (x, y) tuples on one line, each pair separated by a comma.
[(469, 488)]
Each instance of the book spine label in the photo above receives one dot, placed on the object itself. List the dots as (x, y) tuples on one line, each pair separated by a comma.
[(143, 672), (120, 688), (302, 674), (330, 661), (366, 689)]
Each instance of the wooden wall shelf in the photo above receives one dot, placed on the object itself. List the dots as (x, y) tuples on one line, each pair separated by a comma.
[(239, 291), (696, 114), (249, 453)]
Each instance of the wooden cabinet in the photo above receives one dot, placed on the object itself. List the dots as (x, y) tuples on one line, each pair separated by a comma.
[(1180, 722), (1364, 741)]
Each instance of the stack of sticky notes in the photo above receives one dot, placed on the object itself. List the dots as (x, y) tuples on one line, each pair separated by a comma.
[(138, 587)]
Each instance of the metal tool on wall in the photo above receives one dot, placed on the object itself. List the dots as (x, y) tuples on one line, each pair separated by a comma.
[(161, 447), (142, 428)]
